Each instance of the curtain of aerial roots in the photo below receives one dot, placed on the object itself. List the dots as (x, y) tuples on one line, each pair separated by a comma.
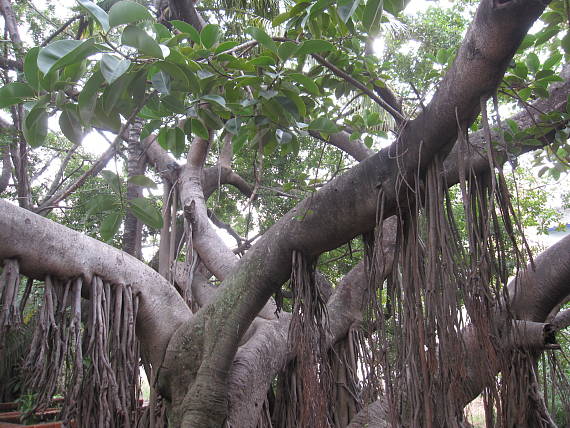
[(304, 386), (87, 352), (449, 272)]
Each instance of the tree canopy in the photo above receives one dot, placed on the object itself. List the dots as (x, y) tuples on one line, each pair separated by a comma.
[(366, 166)]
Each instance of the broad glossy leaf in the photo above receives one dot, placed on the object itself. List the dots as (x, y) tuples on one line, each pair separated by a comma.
[(174, 102), (140, 40), (287, 50), (146, 212), (395, 6), (161, 82), (110, 225), (261, 61), (225, 46), (233, 125), (314, 46), (31, 70), (372, 16), (323, 124), (346, 8), (262, 38), (209, 35), (112, 179), (532, 62), (215, 99), (15, 93), (64, 52), (143, 181), (197, 128), (115, 91), (36, 126), (281, 18), (162, 32), (96, 12), (112, 67), (125, 12), (88, 97), (101, 203), (210, 119), (184, 27), (565, 43), (106, 119), (306, 82), (70, 123)]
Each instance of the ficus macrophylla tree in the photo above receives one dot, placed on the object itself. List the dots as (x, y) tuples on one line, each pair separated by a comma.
[(257, 335)]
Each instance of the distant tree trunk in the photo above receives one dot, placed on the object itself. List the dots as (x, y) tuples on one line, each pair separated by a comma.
[(136, 163)]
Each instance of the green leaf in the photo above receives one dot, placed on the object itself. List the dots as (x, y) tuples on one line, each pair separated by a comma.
[(532, 62), (112, 179), (441, 56), (209, 35), (31, 70), (101, 203), (138, 38), (113, 67), (225, 46), (553, 61), (186, 28), (65, 52), (395, 6), (261, 61), (520, 70), (96, 12), (372, 16), (233, 125), (36, 126), (162, 33), (146, 212), (262, 38), (143, 181), (88, 97), (565, 43), (161, 82), (306, 82), (215, 99), (70, 123), (323, 124), (568, 105), (314, 46), (125, 12), (346, 8), (280, 19), (210, 119), (287, 50), (110, 225), (197, 128), (15, 93)]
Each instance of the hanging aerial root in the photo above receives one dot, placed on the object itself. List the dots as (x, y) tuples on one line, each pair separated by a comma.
[(93, 355), (307, 335), (9, 309)]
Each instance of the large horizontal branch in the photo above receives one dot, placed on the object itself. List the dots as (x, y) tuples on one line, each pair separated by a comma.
[(44, 247)]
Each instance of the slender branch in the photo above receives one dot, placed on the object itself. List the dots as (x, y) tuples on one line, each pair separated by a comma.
[(344, 75), (98, 166)]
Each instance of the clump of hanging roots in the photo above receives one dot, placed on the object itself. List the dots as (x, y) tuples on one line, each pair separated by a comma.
[(447, 289), (85, 349), (304, 386)]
